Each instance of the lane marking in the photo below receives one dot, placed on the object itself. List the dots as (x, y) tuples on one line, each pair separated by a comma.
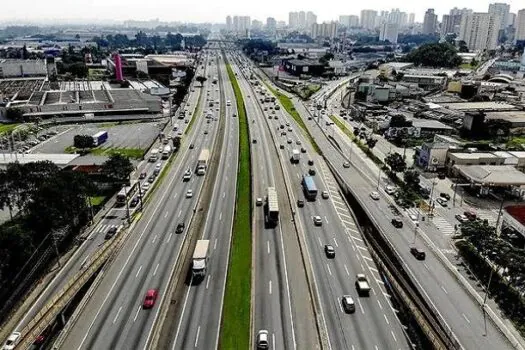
[(465, 317), (444, 290), (329, 271), (380, 306), (215, 244), (361, 306), (208, 281), (393, 336), (169, 237), (156, 268), (154, 239), (137, 314), (335, 241), (116, 316), (197, 337), (220, 216), (166, 215), (346, 269), (270, 287), (140, 268), (386, 319), (268, 244)]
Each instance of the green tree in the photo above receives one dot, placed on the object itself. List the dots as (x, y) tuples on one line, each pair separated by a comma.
[(117, 168), (435, 55), (462, 46), (201, 79), (396, 162), (15, 113), (83, 141), (411, 178)]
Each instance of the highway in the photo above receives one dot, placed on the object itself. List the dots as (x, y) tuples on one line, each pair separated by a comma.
[(199, 323), (374, 324), (113, 316), (462, 314), (281, 304)]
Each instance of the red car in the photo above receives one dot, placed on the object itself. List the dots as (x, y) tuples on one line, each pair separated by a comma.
[(151, 297)]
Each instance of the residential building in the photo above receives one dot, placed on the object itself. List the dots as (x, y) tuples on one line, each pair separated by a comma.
[(411, 19), (301, 19), (452, 22), (520, 26), (501, 11), (311, 18), (256, 24), (271, 24), (293, 20), (368, 19), (397, 17), (324, 30), (389, 31), (511, 20), (349, 21), (229, 23), (480, 31), (430, 22), (431, 156)]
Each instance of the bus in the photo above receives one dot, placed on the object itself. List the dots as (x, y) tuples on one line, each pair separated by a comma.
[(271, 208), (127, 193), (309, 188)]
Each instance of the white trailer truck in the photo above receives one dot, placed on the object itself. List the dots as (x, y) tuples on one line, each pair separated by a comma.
[(296, 156), (200, 259), (202, 162)]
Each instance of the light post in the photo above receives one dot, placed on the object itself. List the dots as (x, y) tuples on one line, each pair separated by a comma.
[(379, 178)]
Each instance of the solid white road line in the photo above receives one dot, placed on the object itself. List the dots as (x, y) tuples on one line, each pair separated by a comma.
[(208, 281), (268, 245), (270, 287)]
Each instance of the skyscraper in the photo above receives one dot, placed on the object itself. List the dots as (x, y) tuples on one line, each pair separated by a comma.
[(501, 11), (293, 20), (397, 17), (324, 30), (311, 18), (520, 26), (349, 21), (271, 24), (229, 23), (389, 31), (411, 19), (429, 22), (368, 19), (480, 31), (452, 22), (301, 19)]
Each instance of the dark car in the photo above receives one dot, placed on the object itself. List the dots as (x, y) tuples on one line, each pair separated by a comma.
[(192, 146), (111, 232), (397, 223), (303, 150), (180, 228), (143, 175), (418, 253), (134, 202), (310, 162), (281, 146), (300, 203), (329, 251), (311, 171), (151, 178), (445, 195), (254, 141)]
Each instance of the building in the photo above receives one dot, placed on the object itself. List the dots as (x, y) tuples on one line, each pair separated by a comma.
[(389, 31), (426, 82), (256, 25), (368, 19), (229, 23), (411, 19), (301, 20), (303, 67), (501, 12), (452, 22), (324, 30), (15, 68), (271, 24), (511, 20), (397, 17), (480, 31), (430, 22), (293, 20), (311, 18), (349, 21), (520, 26), (431, 156)]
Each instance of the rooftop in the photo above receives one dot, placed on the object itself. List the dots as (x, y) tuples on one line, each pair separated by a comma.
[(430, 124), (474, 155), (492, 175), (60, 159), (485, 106)]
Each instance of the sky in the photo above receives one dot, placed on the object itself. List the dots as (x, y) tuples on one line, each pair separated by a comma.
[(215, 11)]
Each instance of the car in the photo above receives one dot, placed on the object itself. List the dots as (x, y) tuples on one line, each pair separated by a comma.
[(254, 141), (187, 175), (281, 146), (298, 142), (143, 175), (287, 124), (151, 178), (325, 195), (317, 220), (189, 193), (234, 115), (187, 121), (282, 126), (417, 253), (348, 304), (134, 202), (150, 298), (414, 219), (289, 141), (303, 150), (442, 201), (283, 133), (346, 165), (389, 189), (311, 172), (180, 227), (329, 251), (310, 162), (259, 202), (445, 196), (462, 218), (309, 118), (300, 203), (205, 132), (158, 166), (145, 186), (442, 176), (471, 215), (192, 146), (265, 108), (273, 112), (111, 232), (263, 340), (269, 117), (290, 130), (374, 195), (12, 341), (397, 223)]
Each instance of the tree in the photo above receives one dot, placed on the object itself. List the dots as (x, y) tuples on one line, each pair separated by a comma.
[(83, 141), (411, 178), (396, 162), (435, 55), (462, 46), (201, 79), (117, 168), (15, 113), (474, 63)]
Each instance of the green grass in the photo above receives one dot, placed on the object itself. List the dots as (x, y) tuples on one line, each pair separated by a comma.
[(468, 66), (516, 142), (290, 108), (235, 323), (5, 128), (133, 153), (97, 200)]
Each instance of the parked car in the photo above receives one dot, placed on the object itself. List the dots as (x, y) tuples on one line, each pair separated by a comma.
[(300, 203), (414, 219), (445, 195), (442, 201), (325, 194), (462, 218)]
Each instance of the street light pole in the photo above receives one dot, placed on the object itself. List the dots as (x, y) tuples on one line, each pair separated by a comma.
[(379, 178)]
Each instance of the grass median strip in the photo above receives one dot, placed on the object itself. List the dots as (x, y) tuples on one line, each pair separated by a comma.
[(235, 324), (195, 113), (290, 108)]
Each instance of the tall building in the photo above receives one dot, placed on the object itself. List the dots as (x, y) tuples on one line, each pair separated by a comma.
[(229, 23), (389, 31), (256, 24), (301, 19), (242, 24), (271, 24), (480, 31), (411, 19), (430, 22), (293, 20), (324, 30), (368, 19), (397, 17), (511, 19), (311, 18), (501, 11), (349, 21), (381, 18), (520, 25)]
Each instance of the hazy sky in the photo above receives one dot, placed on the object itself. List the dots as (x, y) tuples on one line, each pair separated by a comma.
[(217, 10)]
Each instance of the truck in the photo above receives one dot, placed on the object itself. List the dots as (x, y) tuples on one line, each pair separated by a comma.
[(361, 284), (154, 155), (215, 79), (99, 138), (166, 152), (296, 156), (200, 259), (271, 208), (202, 162)]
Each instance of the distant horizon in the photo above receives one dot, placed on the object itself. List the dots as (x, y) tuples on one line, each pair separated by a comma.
[(185, 11)]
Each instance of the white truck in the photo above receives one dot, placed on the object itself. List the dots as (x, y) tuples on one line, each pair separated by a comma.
[(166, 152), (154, 155), (361, 284), (296, 156), (202, 162), (200, 259)]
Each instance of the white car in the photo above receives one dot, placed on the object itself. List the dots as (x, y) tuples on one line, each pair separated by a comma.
[(325, 194), (414, 219), (262, 339), (374, 195), (390, 189), (145, 186), (11, 341), (228, 103), (318, 221), (259, 202), (189, 193)]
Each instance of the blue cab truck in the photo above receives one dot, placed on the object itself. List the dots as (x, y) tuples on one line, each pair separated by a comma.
[(99, 138)]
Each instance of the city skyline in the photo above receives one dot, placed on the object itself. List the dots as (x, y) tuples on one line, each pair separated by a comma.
[(98, 11)]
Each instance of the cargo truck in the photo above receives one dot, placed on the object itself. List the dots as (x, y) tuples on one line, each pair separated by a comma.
[(166, 152), (202, 162), (271, 208), (99, 138), (296, 156), (200, 259), (361, 284), (154, 155)]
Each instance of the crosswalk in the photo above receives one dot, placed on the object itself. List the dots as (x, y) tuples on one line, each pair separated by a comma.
[(491, 215), (105, 228), (443, 225)]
